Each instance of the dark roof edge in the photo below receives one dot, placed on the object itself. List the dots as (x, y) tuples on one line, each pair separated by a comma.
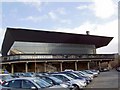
[(43, 30), (12, 35)]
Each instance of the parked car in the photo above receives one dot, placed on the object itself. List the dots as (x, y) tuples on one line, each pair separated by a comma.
[(28, 84), (18, 74), (4, 77), (88, 79), (86, 74), (75, 82), (55, 81), (29, 74), (95, 74), (74, 76), (96, 71), (118, 69), (104, 69)]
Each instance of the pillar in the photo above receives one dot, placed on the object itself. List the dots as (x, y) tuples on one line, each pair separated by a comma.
[(61, 67), (109, 66), (26, 67), (76, 68), (45, 67), (35, 66), (99, 64), (88, 65), (12, 68)]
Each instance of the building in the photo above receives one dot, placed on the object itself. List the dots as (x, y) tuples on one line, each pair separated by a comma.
[(26, 50)]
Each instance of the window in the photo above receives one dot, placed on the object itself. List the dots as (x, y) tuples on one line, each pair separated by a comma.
[(70, 75), (27, 84), (15, 84), (42, 83), (63, 78), (48, 80)]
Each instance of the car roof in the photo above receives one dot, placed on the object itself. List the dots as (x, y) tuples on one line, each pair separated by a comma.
[(27, 78)]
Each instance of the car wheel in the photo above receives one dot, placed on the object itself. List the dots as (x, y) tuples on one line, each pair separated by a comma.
[(76, 87)]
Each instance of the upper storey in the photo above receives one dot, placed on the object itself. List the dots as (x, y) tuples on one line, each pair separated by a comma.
[(38, 36)]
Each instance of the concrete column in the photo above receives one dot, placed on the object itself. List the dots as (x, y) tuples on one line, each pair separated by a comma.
[(88, 65), (99, 64), (61, 67), (26, 67), (35, 66), (45, 67), (109, 66), (76, 68), (96, 64), (12, 68)]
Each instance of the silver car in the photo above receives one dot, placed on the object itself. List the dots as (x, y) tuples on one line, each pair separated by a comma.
[(27, 84), (75, 82)]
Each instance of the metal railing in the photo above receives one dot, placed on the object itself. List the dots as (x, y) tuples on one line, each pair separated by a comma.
[(57, 56)]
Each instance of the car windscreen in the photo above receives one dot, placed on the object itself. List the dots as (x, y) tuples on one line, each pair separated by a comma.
[(42, 83), (5, 77), (56, 79)]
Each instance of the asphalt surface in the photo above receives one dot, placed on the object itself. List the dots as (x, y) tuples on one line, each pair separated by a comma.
[(109, 79)]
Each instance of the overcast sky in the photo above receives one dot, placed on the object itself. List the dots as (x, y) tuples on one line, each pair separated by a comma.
[(100, 17)]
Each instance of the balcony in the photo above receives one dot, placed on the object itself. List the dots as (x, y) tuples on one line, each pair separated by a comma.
[(83, 57)]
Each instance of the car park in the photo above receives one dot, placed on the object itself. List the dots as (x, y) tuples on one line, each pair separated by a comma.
[(105, 81), (68, 79)]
